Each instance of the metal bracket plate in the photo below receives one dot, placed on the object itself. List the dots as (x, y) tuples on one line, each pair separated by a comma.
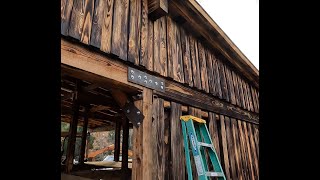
[(146, 80), (133, 114)]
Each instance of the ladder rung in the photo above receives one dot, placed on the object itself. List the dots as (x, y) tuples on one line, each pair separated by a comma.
[(205, 144), (214, 174)]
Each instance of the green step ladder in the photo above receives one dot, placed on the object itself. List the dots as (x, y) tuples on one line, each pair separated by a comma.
[(196, 133)]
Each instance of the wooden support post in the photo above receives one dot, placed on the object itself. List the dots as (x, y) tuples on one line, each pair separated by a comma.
[(72, 131), (117, 141), (137, 172), (84, 134), (147, 158), (125, 145)]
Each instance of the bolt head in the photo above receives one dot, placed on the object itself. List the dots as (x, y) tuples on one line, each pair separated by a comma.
[(132, 76), (132, 72), (128, 111), (156, 83), (139, 76), (145, 77), (161, 87), (138, 112)]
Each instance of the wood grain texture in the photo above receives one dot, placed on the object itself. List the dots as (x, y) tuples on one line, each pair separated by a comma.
[(150, 59), (236, 89), (76, 20), (156, 47), (157, 8), (158, 139), (87, 21), (225, 147), (256, 138), (134, 31), (216, 75), (254, 100), (230, 86), (249, 97), (242, 98), (171, 38), (243, 150), (246, 97), (223, 81), (144, 35), (167, 144), (178, 170), (147, 156), (253, 151), (195, 62), (231, 151), (203, 68), (211, 81), (66, 8), (107, 26), (163, 46), (177, 60), (185, 95), (120, 29), (237, 153), (137, 172), (185, 49), (249, 153), (96, 26), (213, 129)]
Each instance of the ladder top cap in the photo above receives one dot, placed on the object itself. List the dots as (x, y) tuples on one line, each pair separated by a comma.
[(188, 117)]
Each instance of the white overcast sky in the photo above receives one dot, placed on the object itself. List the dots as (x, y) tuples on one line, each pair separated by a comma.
[(239, 19)]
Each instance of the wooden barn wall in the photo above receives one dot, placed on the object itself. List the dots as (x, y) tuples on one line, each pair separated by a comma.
[(122, 28), (236, 143)]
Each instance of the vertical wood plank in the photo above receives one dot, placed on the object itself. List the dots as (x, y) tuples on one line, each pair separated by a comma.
[(156, 46), (241, 92), (243, 150), (163, 46), (249, 97), (213, 129), (137, 172), (97, 20), (247, 143), (66, 8), (236, 88), (76, 20), (120, 29), (150, 60), (231, 152), (218, 87), (210, 72), (257, 99), (177, 60), (245, 92), (237, 153), (87, 21), (223, 81), (107, 26), (134, 31), (171, 45), (225, 148), (195, 63), (230, 86), (185, 48), (147, 156), (203, 68), (254, 100), (158, 139), (256, 138), (178, 170), (144, 35), (253, 150)]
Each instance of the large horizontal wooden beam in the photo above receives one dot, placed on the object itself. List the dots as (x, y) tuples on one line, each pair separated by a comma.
[(157, 8), (100, 69), (88, 65), (187, 96)]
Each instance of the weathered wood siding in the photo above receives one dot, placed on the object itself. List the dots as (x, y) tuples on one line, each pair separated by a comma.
[(122, 28)]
